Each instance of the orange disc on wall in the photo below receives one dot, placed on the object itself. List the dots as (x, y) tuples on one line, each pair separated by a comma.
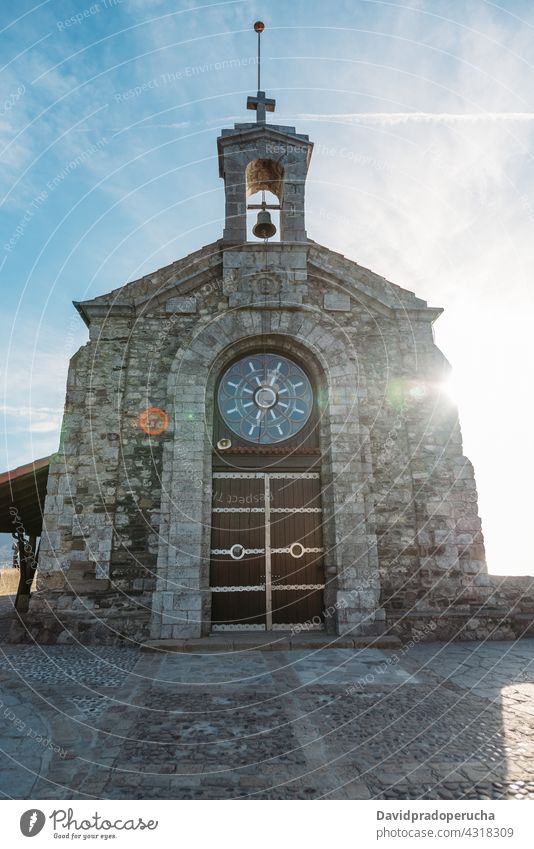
[(153, 421)]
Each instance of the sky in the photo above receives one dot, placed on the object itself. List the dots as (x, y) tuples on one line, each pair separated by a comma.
[(422, 114)]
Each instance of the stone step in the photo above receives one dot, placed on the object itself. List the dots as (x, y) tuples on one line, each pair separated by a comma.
[(5, 627), (7, 616), (270, 642)]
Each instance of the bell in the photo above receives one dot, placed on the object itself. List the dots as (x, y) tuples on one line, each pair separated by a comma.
[(264, 227)]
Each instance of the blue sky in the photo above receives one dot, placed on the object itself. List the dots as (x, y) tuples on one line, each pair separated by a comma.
[(423, 121)]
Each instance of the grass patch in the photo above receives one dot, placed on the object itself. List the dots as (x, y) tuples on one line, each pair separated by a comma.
[(9, 581)]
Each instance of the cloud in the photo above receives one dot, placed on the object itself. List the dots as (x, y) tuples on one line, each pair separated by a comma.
[(31, 405), (31, 419), (392, 118), (46, 426)]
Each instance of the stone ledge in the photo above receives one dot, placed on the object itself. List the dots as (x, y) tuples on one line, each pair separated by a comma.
[(438, 614), (125, 627), (478, 624), (247, 642), (291, 301)]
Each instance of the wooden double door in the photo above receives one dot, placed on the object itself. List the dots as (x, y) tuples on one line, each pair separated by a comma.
[(266, 568)]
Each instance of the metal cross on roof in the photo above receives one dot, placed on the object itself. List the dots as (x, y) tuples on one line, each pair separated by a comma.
[(262, 105)]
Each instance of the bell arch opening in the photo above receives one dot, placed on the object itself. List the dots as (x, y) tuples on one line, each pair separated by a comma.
[(264, 179), (264, 175), (252, 215)]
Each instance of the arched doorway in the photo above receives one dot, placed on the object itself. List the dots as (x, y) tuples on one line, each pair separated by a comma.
[(266, 563), (181, 606)]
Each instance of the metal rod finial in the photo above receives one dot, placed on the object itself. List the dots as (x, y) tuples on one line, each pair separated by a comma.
[(259, 26)]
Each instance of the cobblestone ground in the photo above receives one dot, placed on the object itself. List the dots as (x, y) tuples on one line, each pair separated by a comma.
[(435, 721)]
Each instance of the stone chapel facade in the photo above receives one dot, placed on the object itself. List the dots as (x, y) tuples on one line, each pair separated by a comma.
[(254, 438)]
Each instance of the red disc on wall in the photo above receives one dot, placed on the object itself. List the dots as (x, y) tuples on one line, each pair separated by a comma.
[(153, 421)]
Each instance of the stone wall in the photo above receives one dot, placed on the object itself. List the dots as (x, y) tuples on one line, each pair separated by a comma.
[(97, 562), (430, 543), (506, 614)]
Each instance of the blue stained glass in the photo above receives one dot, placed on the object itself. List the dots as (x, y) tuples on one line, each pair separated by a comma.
[(265, 398)]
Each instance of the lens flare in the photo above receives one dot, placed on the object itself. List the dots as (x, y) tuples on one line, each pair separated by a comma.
[(153, 421)]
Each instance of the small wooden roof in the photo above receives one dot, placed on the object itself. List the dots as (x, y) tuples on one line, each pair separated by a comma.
[(24, 488)]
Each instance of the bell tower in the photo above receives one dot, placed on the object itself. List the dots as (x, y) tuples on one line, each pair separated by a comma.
[(261, 157)]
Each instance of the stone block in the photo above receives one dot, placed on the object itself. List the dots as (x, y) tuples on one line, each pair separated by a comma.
[(184, 305), (336, 302)]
